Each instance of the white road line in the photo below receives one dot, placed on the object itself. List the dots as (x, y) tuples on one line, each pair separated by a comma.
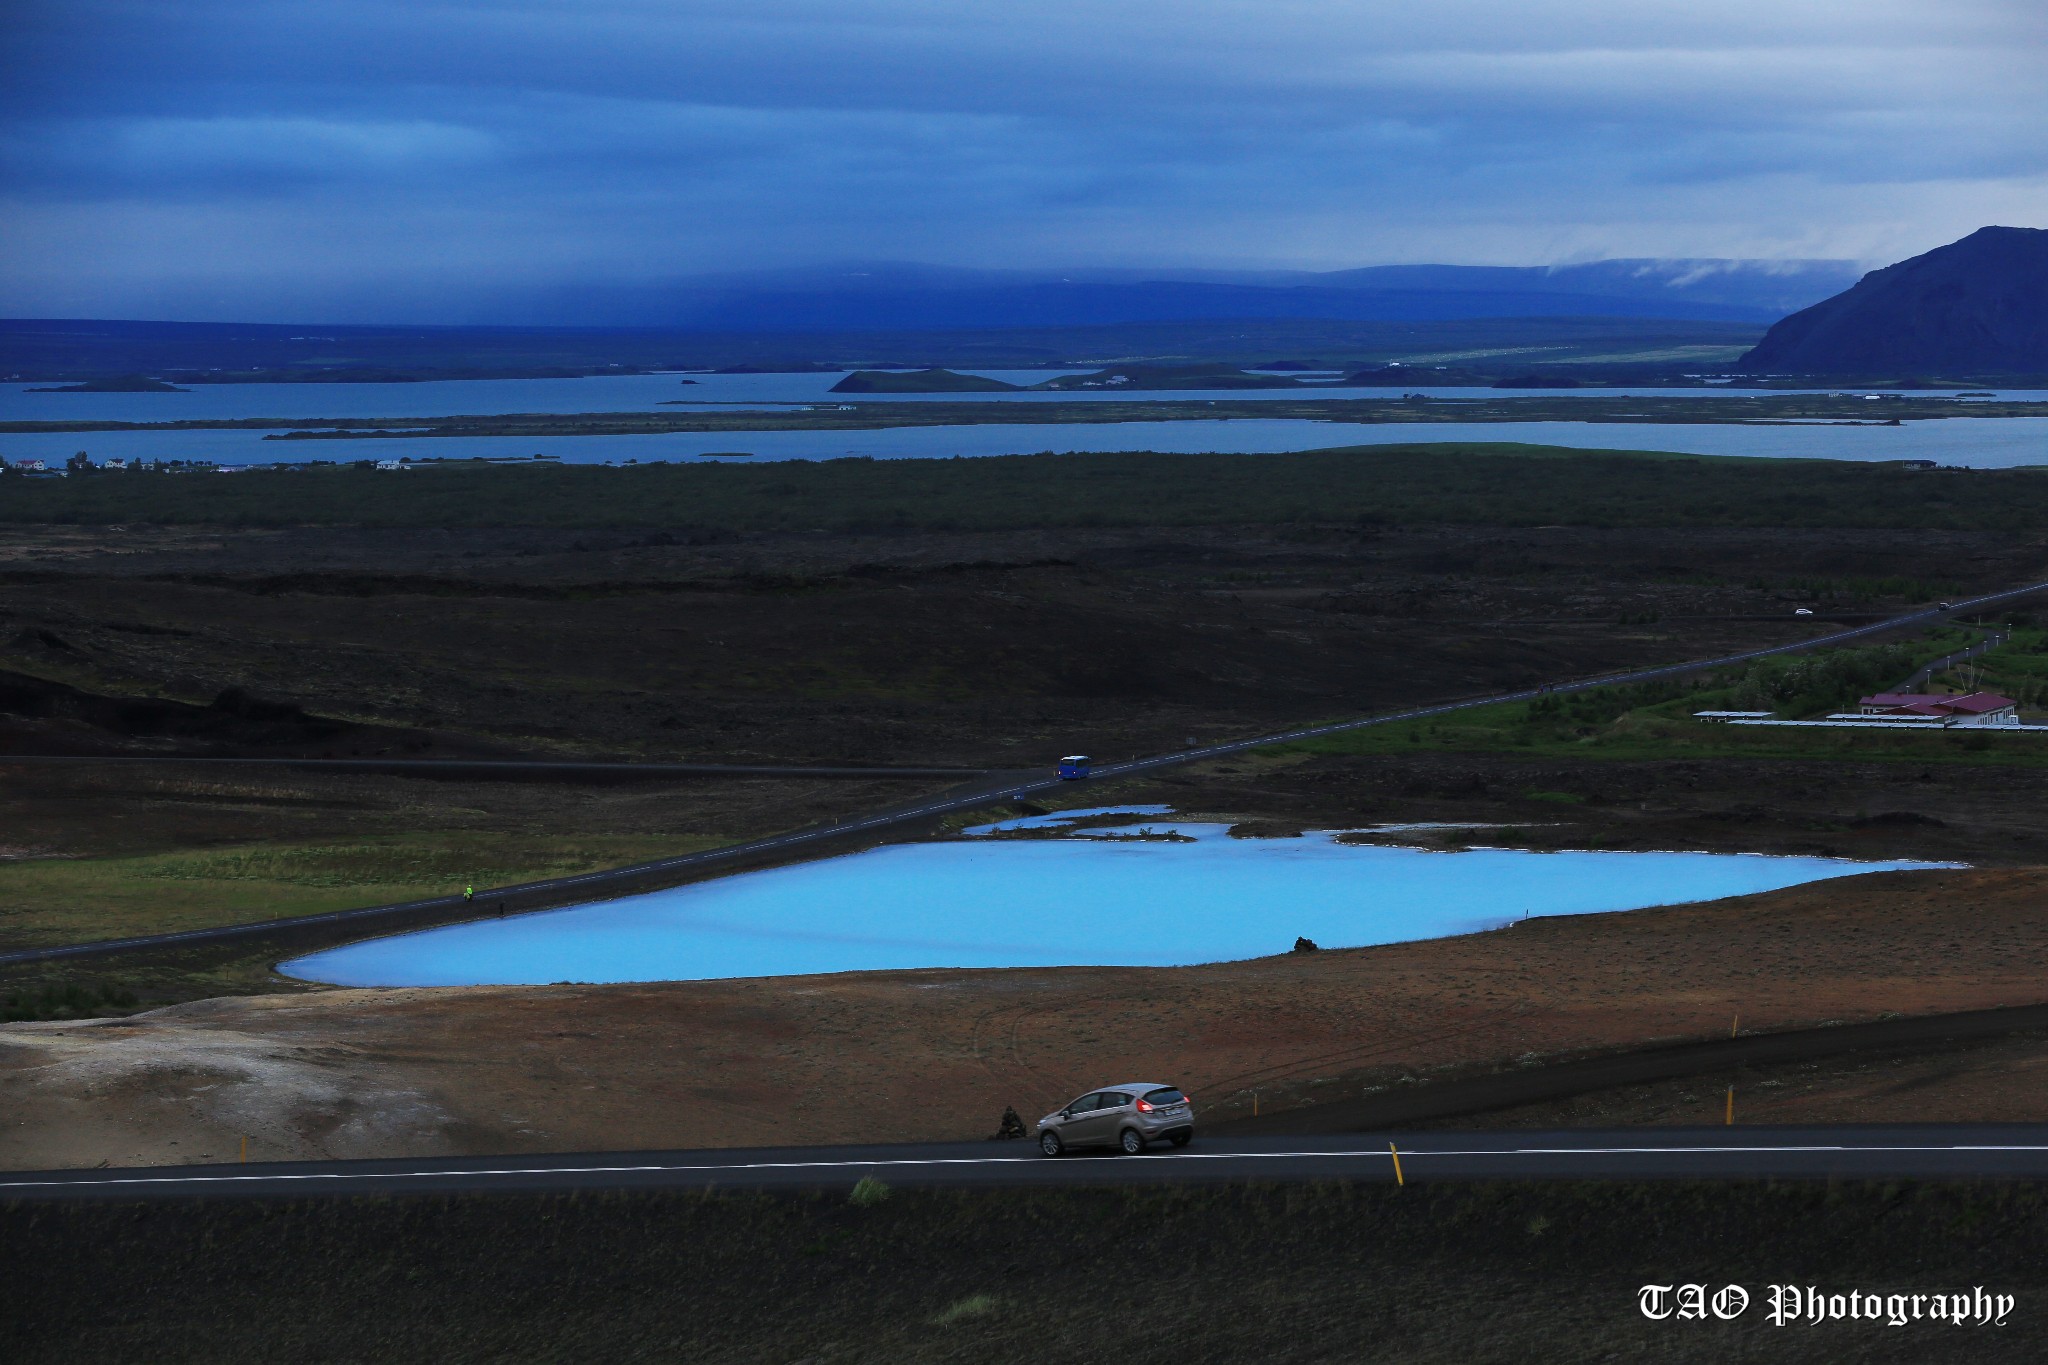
[(880, 1163)]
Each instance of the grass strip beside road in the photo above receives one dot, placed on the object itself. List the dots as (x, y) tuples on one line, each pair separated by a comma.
[(51, 901), (1656, 722), (1507, 728)]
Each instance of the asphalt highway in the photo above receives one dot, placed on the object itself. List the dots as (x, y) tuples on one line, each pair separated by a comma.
[(595, 885), (1977, 1151)]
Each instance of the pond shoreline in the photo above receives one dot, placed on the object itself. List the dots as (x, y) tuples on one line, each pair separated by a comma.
[(1161, 892)]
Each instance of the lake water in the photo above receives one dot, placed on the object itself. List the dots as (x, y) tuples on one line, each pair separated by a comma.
[(1979, 442), (1056, 902), (647, 393)]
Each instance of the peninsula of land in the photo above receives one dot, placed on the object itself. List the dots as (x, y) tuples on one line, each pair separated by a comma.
[(1859, 407)]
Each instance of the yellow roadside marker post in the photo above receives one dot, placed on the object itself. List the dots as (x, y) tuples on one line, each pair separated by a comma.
[(1731, 1106), (1397, 1164), (1734, 1026), (245, 1149)]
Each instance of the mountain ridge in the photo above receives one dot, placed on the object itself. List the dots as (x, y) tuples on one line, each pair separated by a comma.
[(1977, 306)]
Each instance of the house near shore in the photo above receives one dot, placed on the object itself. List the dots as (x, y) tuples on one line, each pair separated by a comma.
[(1973, 708)]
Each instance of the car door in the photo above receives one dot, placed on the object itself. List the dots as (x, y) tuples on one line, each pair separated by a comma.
[(1110, 1115), (1085, 1126)]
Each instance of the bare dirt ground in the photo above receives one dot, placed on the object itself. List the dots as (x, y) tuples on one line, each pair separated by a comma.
[(1825, 807), (937, 1054), (2001, 1081), (999, 650)]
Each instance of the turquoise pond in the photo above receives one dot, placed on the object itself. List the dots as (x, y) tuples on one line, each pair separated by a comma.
[(1077, 900)]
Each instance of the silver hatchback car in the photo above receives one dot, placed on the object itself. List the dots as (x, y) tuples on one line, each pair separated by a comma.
[(1121, 1116)]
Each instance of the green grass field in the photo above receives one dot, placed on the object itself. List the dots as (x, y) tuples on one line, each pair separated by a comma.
[(2018, 670), (70, 900), (1655, 721)]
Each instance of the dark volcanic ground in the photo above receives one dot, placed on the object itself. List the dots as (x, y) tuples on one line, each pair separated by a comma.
[(978, 650), (1876, 810)]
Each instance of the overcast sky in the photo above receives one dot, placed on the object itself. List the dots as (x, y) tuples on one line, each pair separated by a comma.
[(427, 159)]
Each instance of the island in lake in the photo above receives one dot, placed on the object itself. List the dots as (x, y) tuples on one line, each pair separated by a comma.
[(921, 381), (117, 383), (1130, 378), (1152, 377)]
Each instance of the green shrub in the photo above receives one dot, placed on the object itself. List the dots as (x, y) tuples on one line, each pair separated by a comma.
[(69, 1001)]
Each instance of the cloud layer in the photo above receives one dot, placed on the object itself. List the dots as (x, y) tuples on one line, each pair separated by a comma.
[(372, 160)]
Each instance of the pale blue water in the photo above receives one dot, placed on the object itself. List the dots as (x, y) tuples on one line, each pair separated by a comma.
[(1979, 442), (1061, 819), (649, 392), (1063, 902), (443, 397)]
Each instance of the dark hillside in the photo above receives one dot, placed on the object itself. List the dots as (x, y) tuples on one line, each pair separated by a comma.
[(1973, 307)]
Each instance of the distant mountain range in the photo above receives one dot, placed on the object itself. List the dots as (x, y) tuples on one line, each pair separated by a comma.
[(1974, 307), (911, 298)]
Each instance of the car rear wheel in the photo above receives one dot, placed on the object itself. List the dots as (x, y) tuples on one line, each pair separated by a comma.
[(1133, 1142), (1050, 1144)]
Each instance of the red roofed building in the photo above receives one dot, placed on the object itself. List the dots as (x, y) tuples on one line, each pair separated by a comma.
[(1974, 708)]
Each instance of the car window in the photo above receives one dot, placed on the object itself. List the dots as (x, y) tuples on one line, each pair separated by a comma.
[(1115, 1101), (1168, 1095), (1083, 1105)]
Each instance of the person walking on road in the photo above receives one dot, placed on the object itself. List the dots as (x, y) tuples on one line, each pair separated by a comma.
[(468, 894)]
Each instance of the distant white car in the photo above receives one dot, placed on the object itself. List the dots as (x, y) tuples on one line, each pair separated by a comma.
[(1802, 611)]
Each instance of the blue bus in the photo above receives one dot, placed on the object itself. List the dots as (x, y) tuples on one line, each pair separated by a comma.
[(1074, 766)]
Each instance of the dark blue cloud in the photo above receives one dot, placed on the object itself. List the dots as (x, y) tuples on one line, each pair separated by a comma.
[(372, 159)]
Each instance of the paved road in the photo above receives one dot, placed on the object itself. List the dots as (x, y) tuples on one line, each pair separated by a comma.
[(2007, 1151), (594, 885)]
